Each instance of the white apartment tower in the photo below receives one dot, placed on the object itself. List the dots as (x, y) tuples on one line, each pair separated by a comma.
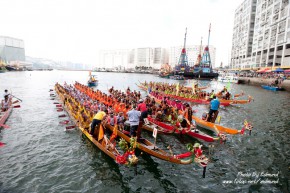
[(243, 34), (271, 44), (114, 59), (261, 37), (129, 59)]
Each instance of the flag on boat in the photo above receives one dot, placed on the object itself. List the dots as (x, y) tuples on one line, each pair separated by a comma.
[(228, 86), (101, 133), (115, 133), (193, 87)]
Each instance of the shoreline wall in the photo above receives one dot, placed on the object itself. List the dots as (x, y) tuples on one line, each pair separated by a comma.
[(261, 81)]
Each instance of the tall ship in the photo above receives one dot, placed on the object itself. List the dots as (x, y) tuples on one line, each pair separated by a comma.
[(202, 68)]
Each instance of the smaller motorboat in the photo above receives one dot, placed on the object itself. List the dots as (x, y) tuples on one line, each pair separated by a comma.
[(274, 88), (92, 81)]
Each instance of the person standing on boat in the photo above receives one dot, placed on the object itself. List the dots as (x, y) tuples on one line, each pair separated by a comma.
[(98, 118), (144, 114), (134, 118), (214, 106), (188, 112)]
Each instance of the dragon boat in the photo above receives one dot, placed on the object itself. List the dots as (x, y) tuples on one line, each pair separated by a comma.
[(148, 147), (104, 144), (207, 125)]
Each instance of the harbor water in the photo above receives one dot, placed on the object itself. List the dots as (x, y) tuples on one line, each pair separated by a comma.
[(39, 156)]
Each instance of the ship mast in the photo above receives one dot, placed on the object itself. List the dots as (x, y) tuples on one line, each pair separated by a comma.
[(206, 61), (185, 38), (183, 61)]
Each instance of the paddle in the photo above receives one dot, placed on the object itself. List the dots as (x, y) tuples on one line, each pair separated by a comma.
[(16, 106), (62, 115), (204, 170), (70, 127), (4, 126), (2, 144), (64, 122), (15, 101), (16, 97)]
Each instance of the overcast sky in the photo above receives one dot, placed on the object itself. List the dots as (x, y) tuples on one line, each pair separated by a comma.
[(75, 30)]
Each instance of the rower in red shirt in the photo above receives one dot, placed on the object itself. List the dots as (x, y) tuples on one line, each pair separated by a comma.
[(143, 109)]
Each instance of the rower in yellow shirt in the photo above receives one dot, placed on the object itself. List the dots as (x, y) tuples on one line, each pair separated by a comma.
[(98, 118)]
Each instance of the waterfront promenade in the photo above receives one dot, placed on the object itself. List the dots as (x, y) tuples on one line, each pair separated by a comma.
[(262, 81)]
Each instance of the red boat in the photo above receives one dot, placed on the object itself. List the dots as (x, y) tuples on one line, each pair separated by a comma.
[(168, 128), (4, 115)]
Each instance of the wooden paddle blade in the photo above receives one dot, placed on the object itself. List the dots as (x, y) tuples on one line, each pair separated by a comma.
[(70, 127), (59, 105), (16, 106), (59, 110), (62, 115), (50, 89), (64, 122), (2, 144), (56, 103), (15, 101), (4, 126)]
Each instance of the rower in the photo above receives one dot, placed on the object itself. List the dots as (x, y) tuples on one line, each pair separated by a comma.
[(228, 95), (183, 123), (5, 103), (98, 118), (211, 95), (5, 93)]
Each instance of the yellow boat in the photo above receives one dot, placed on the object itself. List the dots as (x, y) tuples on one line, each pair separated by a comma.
[(214, 127), (105, 145)]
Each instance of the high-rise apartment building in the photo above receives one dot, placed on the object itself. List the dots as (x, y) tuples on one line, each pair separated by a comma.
[(271, 45), (268, 34), (139, 57), (114, 59), (243, 34)]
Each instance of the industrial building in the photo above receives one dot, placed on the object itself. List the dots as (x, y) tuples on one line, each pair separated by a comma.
[(11, 49)]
